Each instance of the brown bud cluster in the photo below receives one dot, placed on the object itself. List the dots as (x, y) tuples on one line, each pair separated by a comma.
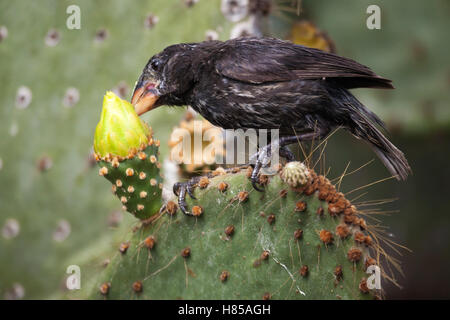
[(326, 236), (203, 182), (171, 207), (338, 205)]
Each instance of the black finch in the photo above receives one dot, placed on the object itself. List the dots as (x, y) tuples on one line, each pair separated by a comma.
[(265, 83)]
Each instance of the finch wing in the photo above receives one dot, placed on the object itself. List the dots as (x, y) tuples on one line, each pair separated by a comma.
[(260, 60)]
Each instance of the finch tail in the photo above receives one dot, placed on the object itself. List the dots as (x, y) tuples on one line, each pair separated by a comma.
[(363, 126), (390, 155)]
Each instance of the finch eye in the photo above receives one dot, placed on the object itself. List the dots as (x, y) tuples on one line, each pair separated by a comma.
[(155, 64)]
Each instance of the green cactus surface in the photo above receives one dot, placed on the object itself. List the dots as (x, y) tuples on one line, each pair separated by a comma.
[(301, 240), (136, 181)]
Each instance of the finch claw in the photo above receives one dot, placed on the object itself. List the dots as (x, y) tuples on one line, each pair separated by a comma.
[(254, 176), (287, 154), (162, 209), (183, 206), (255, 186), (176, 188), (262, 160), (190, 189), (180, 189)]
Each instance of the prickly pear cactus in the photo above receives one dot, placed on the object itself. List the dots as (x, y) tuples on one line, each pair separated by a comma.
[(301, 242), (299, 239)]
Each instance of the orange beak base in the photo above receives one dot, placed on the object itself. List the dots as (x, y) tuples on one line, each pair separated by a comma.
[(144, 99)]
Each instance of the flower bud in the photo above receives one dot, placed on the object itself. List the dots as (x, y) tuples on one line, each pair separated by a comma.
[(119, 130)]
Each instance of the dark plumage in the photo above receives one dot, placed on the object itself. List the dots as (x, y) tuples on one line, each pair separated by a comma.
[(265, 83)]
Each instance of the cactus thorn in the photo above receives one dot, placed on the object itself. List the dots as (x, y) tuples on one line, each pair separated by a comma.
[(298, 234), (342, 231), (242, 196), (319, 211), (229, 230), (150, 242), (304, 271), (124, 247), (142, 155), (186, 252), (224, 276), (197, 211), (354, 255), (338, 273), (300, 206), (143, 194), (203, 182), (267, 296), (137, 286), (104, 288), (171, 207), (103, 171), (223, 186), (326, 236), (363, 286)]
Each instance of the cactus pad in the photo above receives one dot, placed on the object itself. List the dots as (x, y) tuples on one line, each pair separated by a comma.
[(304, 242)]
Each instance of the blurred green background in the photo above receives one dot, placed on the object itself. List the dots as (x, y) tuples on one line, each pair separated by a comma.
[(54, 209)]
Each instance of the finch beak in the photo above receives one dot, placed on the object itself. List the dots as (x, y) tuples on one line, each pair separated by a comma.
[(144, 97)]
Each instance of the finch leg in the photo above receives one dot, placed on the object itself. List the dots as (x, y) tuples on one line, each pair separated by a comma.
[(180, 189), (287, 154), (264, 154)]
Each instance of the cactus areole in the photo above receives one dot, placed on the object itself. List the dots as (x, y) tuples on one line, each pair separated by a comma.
[(128, 157)]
